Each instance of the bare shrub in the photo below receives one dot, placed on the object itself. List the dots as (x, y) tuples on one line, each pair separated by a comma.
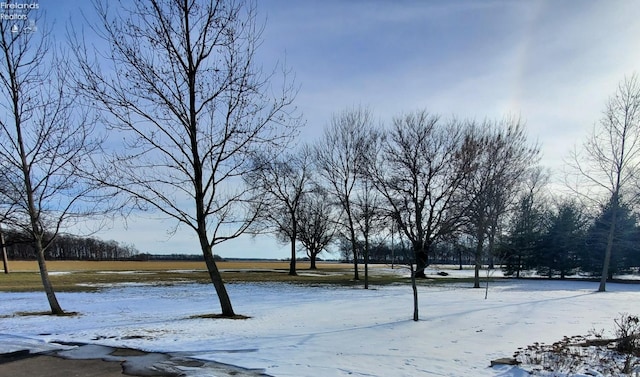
[(575, 355)]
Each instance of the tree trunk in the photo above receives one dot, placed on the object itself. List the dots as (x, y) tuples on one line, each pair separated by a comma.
[(607, 254), (492, 238), (478, 255), (366, 270), (486, 285), (491, 261), (37, 234), (352, 234), (292, 263), (421, 260), (216, 278), (366, 263), (56, 309), (476, 273), (354, 250), (312, 259), (5, 262), (415, 294)]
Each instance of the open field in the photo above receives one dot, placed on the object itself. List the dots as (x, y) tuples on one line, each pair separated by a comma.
[(70, 276)]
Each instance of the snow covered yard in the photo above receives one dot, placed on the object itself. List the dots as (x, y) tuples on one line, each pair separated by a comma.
[(326, 330)]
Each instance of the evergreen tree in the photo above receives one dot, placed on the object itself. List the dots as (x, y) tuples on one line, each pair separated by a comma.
[(623, 251), (562, 242), (523, 242)]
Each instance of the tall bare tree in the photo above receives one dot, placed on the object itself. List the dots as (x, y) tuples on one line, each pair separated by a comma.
[(501, 155), (341, 163), (607, 167), (420, 171), (182, 88), (44, 141), (285, 179)]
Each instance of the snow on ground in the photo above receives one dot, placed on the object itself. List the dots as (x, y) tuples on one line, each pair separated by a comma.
[(326, 330)]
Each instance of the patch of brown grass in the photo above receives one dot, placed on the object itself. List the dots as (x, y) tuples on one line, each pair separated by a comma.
[(64, 266), (71, 276), (68, 266)]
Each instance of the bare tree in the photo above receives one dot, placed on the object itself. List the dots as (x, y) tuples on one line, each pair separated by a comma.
[(341, 163), (500, 156), (184, 91), (285, 180), (317, 224), (607, 166), (419, 172), (44, 141)]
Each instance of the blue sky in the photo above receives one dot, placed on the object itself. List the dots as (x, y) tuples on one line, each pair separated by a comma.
[(553, 63)]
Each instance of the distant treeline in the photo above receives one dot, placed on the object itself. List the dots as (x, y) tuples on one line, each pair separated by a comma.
[(69, 247)]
